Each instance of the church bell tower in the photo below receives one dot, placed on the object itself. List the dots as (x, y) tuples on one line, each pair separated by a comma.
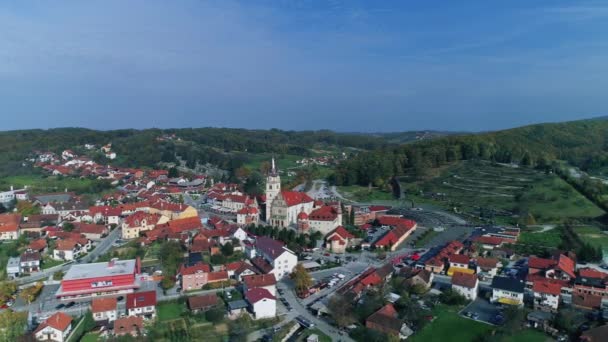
[(273, 187)]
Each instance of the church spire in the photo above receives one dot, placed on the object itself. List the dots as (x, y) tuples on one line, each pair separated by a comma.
[(273, 170)]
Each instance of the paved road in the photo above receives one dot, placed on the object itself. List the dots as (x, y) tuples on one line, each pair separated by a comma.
[(102, 247)]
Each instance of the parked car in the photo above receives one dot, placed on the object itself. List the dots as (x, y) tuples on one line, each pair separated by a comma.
[(60, 306)]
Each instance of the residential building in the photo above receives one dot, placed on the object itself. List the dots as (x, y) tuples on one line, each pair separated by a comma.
[(55, 328), (13, 267), (9, 226), (459, 263), (30, 262), (281, 259), (104, 309), (338, 240), (507, 291), (402, 228), (386, 321), (130, 325), (546, 295), (140, 222), (68, 250), (262, 303), (325, 219), (417, 277), (202, 303), (265, 281), (142, 304), (487, 267), (465, 284)]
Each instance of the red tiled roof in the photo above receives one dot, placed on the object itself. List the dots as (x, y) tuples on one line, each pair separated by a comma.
[(394, 221), (135, 219), (591, 273), (202, 301), (302, 216), (128, 325), (489, 240), (541, 263), (487, 262), (324, 213), (180, 225), (378, 208), (342, 233), (464, 279), (566, 265), (552, 288), (105, 210), (256, 294), (217, 276), (37, 245), (103, 304), (86, 228), (293, 198), (59, 321), (459, 258), (259, 280), (141, 299), (198, 268), (65, 245)]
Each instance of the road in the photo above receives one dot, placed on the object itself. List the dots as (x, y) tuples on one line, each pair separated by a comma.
[(188, 200), (101, 248)]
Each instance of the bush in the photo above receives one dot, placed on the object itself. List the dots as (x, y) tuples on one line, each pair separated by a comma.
[(214, 315), (451, 297)]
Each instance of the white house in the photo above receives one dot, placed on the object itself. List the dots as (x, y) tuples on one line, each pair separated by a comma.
[(68, 249), (263, 281), (507, 291), (262, 303), (56, 328), (13, 268), (546, 295), (465, 284), (104, 309), (277, 255), (142, 304)]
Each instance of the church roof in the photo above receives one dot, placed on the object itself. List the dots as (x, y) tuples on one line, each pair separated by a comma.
[(294, 198)]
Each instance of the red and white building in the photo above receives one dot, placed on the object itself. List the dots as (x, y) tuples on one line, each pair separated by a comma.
[(111, 278), (338, 240), (56, 328), (142, 304)]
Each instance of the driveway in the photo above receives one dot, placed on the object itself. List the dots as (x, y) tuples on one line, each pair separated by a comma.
[(482, 307)]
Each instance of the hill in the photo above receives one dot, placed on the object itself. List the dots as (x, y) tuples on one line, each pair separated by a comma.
[(581, 143)]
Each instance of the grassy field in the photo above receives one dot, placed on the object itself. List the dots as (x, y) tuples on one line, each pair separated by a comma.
[(449, 326), (527, 335), (90, 337), (503, 193), (49, 262), (308, 332), (42, 184), (550, 238), (283, 161), (593, 235), (364, 194), (170, 311)]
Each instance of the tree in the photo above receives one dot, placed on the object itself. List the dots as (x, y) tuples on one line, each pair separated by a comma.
[(173, 173), (227, 249), (167, 283), (301, 278), (12, 325), (58, 275), (451, 297), (171, 256), (7, 288), (342, 310), (68, 227), (218, 259), (214, 315), (29, 294)]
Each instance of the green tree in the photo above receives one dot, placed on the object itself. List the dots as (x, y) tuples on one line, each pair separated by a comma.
[(214, 315), (301, 278), (341, 310), (12, 325), (227, 249), (68, 227)]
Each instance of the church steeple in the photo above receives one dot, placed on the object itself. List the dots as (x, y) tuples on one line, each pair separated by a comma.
[(273, 188)]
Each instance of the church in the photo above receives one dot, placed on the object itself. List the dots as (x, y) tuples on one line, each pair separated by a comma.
[(292, 209)]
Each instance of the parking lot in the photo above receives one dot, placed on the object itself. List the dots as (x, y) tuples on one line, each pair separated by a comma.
[(482, 310)]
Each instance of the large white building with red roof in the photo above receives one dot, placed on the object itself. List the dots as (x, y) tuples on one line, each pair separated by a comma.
[(283, 207)]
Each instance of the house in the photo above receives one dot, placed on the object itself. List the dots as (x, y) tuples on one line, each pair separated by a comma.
[(417, 277), (68, 249), (13, 267), (507, 291), (30, 262), (586, 301), (138, 222), (142, 304), (92, 232), (106, 214), (196, 276), (9, 226), (394, 237), (563, 269), (459, 263), (465, 284), (590, 281), (281, 259), (540, 265), (325, 219), (238, 269), (38, 245), (247, 216), (338, 240), (265, 281), (487, 267), (262, 303), (598, 334), (55, 328), (130, 325), (546, 295), (104, 309), (386, 321), (202, 302)]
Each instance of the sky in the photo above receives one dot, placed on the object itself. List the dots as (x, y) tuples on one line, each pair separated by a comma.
[(344, 65)]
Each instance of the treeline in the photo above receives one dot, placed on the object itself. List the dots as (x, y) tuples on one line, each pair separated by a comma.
[(579, 143), (226, 148)]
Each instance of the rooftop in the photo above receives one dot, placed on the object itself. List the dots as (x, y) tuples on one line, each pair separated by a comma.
[(100, 269)]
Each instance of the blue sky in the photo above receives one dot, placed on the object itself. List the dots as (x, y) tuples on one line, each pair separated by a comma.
[(347, 65)]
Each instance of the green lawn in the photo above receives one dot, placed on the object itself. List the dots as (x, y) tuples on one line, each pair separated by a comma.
[(593, 235), (170, 310), (90, 337), (43, 183), (49, 262), (551, 238), (449, 326), (527, 335), (364, 194)]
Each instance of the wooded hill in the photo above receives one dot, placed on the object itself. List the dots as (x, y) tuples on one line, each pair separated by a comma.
[(581, 143)]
